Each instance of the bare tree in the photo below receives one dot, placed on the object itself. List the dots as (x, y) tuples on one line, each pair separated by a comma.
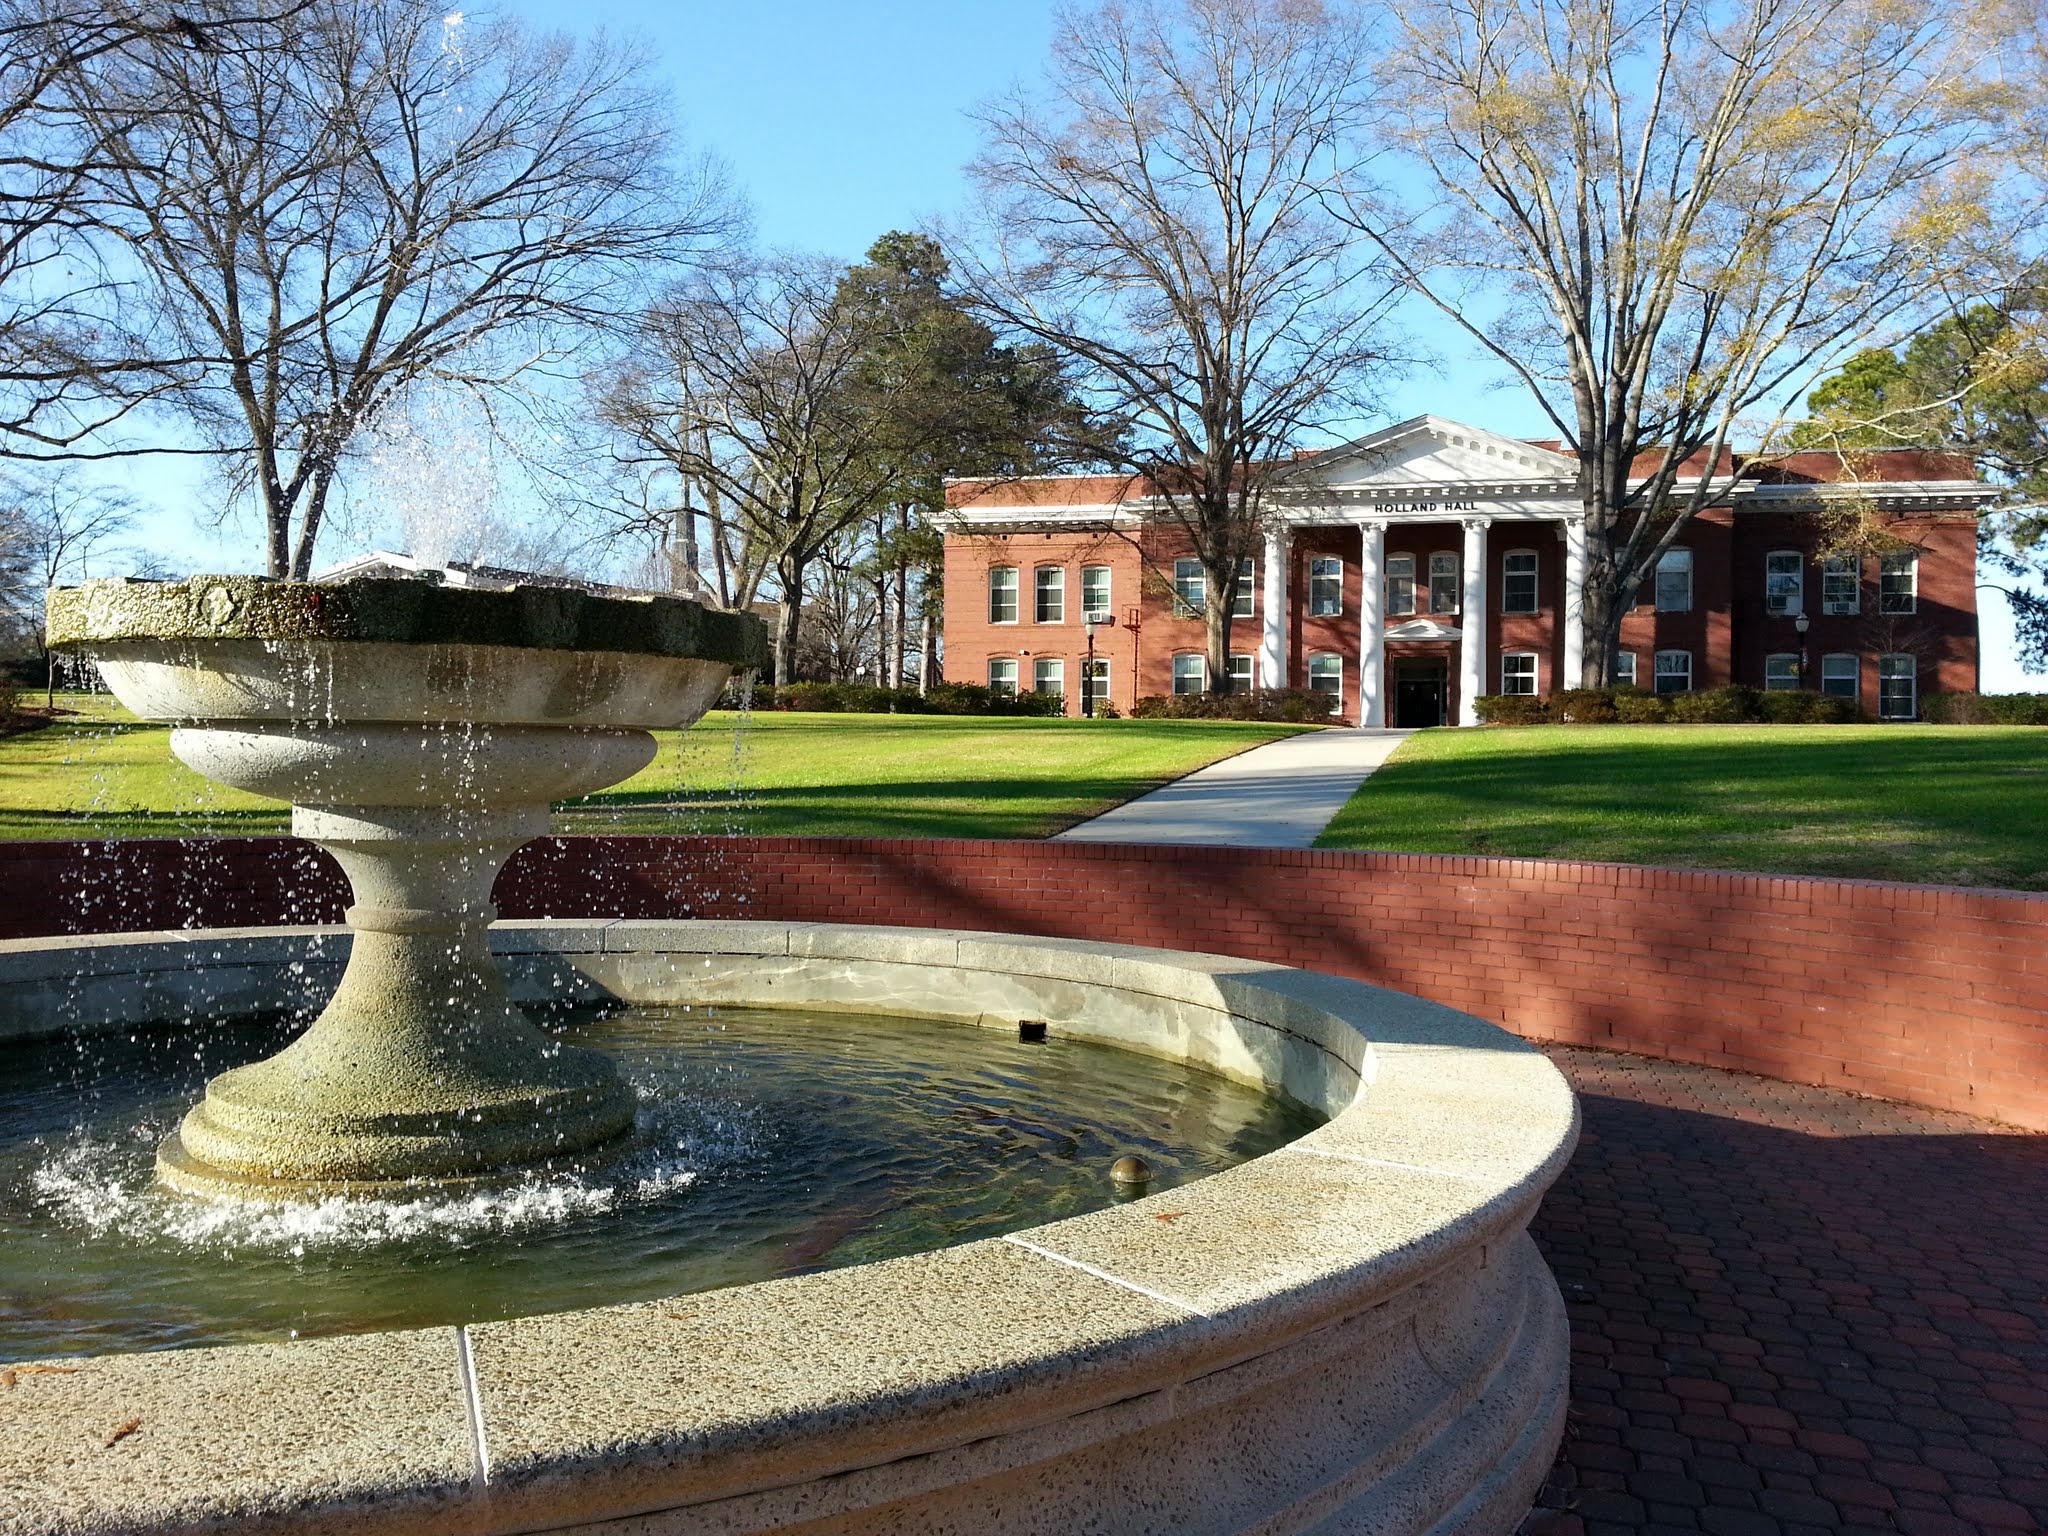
[(55, 528), (73, 358), (1160, 213), (1666, 217), (751, 387), (388, 195)]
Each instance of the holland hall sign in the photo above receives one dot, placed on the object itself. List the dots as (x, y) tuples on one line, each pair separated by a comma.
[(1427, 506)]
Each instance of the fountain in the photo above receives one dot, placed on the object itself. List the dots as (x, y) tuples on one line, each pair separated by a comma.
[(420, 733), (1353, 1331)]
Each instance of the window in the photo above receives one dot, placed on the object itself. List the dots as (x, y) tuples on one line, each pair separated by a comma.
[(1781, 672), (1050, 606), (1094, 591), (1190, 592), (1784, 583), (1002, 674), (1326, 675), (1898, 582), (1190, 674), (1325, 587), (1049, 675), (1443, 582), (1625, 669), (1518, 672), (1400, 583), (1674, 587), (1098, 677), (1518, 581), (1841, 584), (1897, 678), (1241, 674), (1674, 672), (1241, 592), (1841, 676), (1002, 595)]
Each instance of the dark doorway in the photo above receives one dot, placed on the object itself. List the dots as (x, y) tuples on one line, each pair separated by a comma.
[(1421, 692)]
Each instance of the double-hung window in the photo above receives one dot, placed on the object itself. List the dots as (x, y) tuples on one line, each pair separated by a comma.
[(1518, 672), (1897, 684), (1784, 583), (1190, 590), (1326, 674), (1400, 584), (1840, 675), (1443, 582), (1095, 591), (1241, 591), (1325, 586), (1841, 585), (1898, 581), (1781, 672), (1098, 677), (1049, 675), (1050, 604), (1240, 674), (1002, 595), (1002, 674), (1518, 581), (1674, 589), (1674, 672), (1625, 669), (1190, 673)]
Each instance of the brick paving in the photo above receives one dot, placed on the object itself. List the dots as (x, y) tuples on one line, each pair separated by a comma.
[(1795, 1312)]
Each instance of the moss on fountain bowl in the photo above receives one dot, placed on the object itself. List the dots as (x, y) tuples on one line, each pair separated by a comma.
[(400, 611)]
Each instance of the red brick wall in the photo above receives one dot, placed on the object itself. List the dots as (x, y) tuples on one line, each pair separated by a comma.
[(1921, 993)]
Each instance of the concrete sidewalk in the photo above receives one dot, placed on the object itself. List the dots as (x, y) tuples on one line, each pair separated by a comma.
[(1280, 795)]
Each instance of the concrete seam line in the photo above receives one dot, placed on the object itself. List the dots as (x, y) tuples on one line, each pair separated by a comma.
[(1102, 1274), (472, 1401), (1382, 1162)]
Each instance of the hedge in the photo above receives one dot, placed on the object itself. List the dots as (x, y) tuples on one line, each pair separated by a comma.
[(870, 699), (1631, 706), (1295, 706), (1985, 708)]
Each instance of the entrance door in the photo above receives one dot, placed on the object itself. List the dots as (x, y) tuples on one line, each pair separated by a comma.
[(1421, 692)]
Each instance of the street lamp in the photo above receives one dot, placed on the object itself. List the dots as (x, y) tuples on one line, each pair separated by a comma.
[(1802, 623), (1090, 622)]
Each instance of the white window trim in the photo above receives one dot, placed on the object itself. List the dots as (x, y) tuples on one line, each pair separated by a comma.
[(1335, 578), (1627, 658), (1684, 552), (1855, 673), (1798, 598), (1244, 592), (1911, 559), (1057, 666), (1657, 670), (1251, 669), (1334, 662), (1786, 687), (1038, 592), (1406, 573), (1455, 575), (1016, 596), (1535, 674), (1912, 681), (1173, 671), (1002, 661), (1534, 575), (1185, 608), (1108, 591), (1852, 567)]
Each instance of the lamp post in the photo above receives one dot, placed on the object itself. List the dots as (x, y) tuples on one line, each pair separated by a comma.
[(1089, 622), (1802, 623)]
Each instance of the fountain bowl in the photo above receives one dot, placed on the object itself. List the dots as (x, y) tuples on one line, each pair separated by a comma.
[(420, 733)]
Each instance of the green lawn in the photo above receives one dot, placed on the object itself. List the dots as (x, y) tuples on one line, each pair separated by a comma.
[(100, 774), (1948, 804)]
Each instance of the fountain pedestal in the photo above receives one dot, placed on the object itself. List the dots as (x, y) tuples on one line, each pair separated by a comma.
[(421, 761)]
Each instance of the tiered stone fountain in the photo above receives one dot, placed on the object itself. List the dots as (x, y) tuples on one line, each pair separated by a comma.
[(420, 733)]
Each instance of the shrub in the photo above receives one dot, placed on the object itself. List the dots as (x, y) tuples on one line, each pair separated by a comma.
[(1985, 708), (1582, 706), (1038, 704), (1716, 706), (1512, 709), (956, 699), (1634, 707), (1298, 706)]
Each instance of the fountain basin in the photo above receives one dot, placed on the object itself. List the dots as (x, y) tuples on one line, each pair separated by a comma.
[(1352, 1332)]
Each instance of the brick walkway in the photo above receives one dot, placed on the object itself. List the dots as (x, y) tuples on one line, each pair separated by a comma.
[(1795, 1312)]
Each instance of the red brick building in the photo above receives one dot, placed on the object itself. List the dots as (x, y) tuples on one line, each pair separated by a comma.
[(1377, 554)]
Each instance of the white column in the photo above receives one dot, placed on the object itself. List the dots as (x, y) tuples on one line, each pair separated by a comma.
[(1473, 651), (1273, 633), (1372, 624), (1573, 614)]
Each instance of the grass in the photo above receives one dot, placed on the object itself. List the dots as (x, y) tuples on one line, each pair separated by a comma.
[(100, 773), (1944, 804)]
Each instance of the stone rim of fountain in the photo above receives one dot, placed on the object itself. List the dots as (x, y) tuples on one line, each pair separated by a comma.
[(1354, 1328)]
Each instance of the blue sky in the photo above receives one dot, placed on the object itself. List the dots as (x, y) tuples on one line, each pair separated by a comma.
[(841, 121)]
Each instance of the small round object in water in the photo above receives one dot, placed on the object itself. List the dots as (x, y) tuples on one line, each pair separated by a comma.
[(1130, 1170)]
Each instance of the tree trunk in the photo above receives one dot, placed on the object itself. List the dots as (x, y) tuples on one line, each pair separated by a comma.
[(927, 654), (790, 572)]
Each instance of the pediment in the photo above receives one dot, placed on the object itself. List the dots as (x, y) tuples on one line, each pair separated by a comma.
[(1423, 629), (1430, 451)]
